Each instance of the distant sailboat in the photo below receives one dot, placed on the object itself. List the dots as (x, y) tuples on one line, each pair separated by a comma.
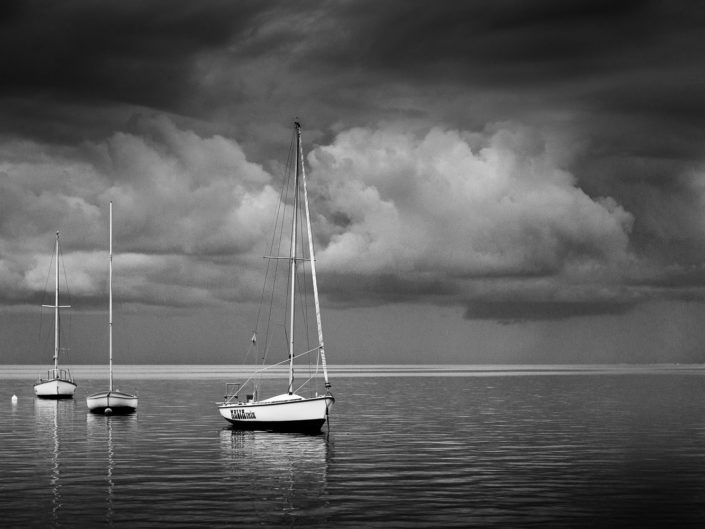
[(288, 411), (112, 400), (59, 383)]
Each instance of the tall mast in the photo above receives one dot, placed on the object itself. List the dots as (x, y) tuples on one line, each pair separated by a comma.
[(110, 299), (313, 270), (292, 259), (56, 305)]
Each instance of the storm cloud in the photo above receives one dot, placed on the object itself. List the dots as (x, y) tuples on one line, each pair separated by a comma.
[(519, 160)]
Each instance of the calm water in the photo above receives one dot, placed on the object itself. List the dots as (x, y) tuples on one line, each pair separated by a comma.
[(497, 450)]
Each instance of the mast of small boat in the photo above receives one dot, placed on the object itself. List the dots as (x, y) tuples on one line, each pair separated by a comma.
[(56, 307), (110, 300), (292, 260), (313, 267)]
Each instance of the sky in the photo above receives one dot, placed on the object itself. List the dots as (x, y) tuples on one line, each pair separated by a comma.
[(494, 181)]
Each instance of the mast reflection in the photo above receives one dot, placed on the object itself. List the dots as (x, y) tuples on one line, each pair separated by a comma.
[(101, 430), (49, 414)]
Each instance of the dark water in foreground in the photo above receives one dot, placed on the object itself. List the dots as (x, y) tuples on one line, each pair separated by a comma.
[(540, 450)]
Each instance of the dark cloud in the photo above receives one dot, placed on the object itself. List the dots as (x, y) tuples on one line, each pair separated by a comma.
[(356, 289), (614, 89), (128, 51), (507, 41), (514, 311), (70, 65)]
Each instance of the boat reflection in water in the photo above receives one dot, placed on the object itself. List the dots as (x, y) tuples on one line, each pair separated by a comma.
[(292, 467), (100, 431), (48, 415)]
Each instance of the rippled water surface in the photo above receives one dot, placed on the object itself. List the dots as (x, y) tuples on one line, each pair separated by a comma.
[(498, 450)]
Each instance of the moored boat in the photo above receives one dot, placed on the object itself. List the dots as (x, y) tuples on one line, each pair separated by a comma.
[(290, 411), (112, 400), (58, 384)]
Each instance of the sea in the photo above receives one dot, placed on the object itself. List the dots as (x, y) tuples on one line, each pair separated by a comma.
[(406, 446)]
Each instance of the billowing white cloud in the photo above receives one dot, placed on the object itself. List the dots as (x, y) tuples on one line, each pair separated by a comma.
[(192, 213), (182, 205), (460, 204)]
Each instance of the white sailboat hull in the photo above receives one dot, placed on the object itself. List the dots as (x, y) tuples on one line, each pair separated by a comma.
[(282, 413), (56, 388), (115, 401)]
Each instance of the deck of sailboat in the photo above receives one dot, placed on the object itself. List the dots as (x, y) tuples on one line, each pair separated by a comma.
[(295, 399), (57, 374), (112, 393)]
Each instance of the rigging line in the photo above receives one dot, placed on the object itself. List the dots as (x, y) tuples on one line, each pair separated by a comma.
[(268, 272), (306, 271), (252, 349), (304, 301), (301, 276), (43, 340), (68, 326), (303, 306), (290, 195), (281, 362), (311, 375), (266, 368), (66, 280), (44, 297), (274, 229), (311, 258), (309, 379), (279, 227), (314, 280), (286, 312)]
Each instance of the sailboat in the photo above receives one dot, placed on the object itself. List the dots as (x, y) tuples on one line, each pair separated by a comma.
[(289, 411), (112, 400), (59, 383)]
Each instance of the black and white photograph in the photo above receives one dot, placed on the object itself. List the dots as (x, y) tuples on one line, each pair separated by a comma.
[(352, 263)]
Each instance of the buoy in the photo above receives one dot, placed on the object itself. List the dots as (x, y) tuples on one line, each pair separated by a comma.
[(14, 399), (108, 411)]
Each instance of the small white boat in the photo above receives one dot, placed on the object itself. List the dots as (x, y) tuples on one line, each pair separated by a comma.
[(290, 411), (59, 383), (286, 412), (112, 400)]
